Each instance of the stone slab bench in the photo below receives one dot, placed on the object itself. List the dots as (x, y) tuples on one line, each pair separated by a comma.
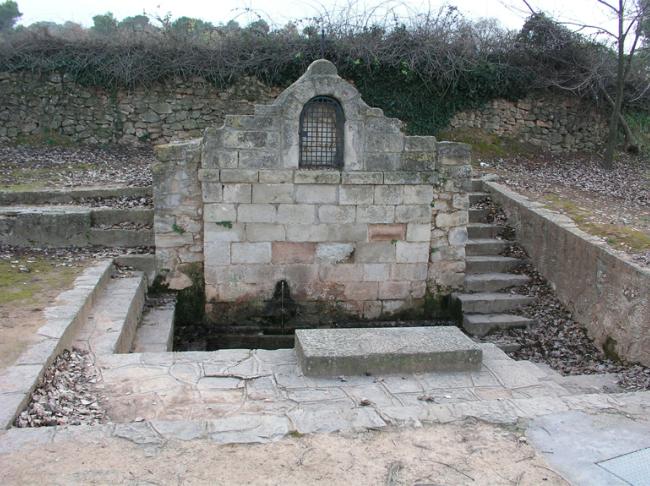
[(334, 352)]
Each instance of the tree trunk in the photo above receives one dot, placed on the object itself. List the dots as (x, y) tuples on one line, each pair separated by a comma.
[(631, 144), (608, 159)]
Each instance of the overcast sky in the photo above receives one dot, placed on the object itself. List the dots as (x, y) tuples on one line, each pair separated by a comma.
[(510, 13)]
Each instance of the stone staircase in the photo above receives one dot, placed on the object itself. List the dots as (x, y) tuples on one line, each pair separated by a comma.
[(56, 218), (489, 301)]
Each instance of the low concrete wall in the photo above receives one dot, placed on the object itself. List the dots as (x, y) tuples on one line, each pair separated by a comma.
[(608, 295)]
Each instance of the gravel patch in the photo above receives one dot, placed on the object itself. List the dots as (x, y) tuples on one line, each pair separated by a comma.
[(66, 395), (48, 166)]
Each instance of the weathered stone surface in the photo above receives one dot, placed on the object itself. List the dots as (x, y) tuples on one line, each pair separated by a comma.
[(248, 429), (334, 252), (606, 294), (251, 252), (386, 232), (334, 352), (288, 252), (332, 233)]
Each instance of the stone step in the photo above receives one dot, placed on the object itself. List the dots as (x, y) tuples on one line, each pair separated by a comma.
[(155, 334), (482, 230), (483, 324), (485, 246), (476, 185), (493, 281), (477, 197), (143, 262), (478, 215), (349, 352), (109, 216), (491, 263), (491, 302), (71, 196), (112, 322), (120, 238)]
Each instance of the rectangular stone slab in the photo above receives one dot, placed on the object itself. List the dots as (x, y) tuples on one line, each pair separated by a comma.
[(335, 352)]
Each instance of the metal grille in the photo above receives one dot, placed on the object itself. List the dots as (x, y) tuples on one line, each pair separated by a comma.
[(321, 134)]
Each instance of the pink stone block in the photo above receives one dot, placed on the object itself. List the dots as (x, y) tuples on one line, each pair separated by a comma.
[(289, 252), (386, 232)]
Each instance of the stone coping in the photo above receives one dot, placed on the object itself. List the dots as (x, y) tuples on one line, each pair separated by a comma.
[(62, 321), (604, 292), (260, 428)]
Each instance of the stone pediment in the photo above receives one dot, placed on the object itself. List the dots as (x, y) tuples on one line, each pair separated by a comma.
[(270, 138)]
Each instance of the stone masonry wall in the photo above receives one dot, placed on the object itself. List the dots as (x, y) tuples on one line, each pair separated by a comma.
[(552, 122), (31, 105), (370, 240)]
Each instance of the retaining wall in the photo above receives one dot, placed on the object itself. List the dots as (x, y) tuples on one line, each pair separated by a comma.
[(551, 121), (32, 105), (607, 294)]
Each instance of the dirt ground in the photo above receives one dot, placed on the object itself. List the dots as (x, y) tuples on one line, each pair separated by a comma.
[(466, 453), (28, 284)]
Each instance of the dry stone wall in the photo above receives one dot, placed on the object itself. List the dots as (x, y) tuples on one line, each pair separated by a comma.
[(370, 239), (552, 122), (31, 105)]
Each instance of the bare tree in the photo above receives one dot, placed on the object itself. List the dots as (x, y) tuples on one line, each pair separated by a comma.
[(631, 17)]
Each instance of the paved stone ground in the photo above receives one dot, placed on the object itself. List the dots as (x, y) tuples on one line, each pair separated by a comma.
[(167, 409), (257, 396)]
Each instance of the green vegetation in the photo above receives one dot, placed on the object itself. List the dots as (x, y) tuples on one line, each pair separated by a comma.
[(47, 137), (421, 69), (35, 178), (639, 123), (9, 15), (19, 286), (22, 187), (178, 229), (618, 236), (190, 302), (225, 224)]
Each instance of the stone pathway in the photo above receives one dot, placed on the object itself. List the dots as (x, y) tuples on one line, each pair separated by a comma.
[(261, 390)]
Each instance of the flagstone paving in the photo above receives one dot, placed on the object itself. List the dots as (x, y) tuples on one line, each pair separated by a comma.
[(228, 383)]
